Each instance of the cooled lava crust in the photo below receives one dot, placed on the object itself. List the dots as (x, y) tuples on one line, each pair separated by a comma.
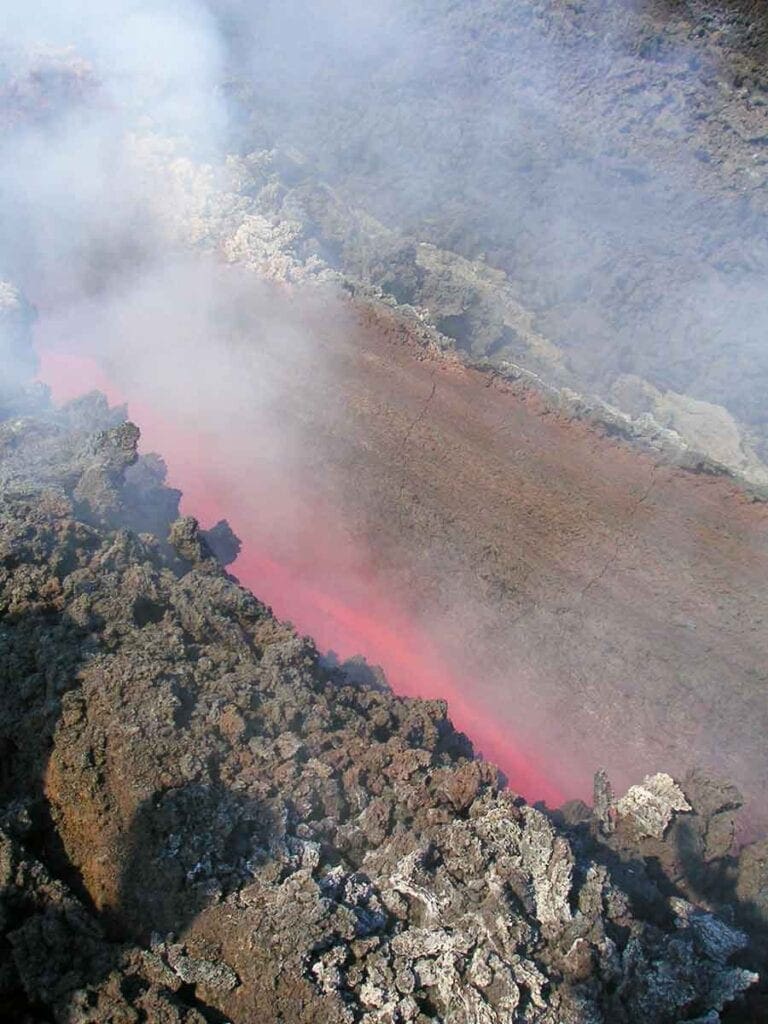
[(201, 822), (617, 597), (579, 601)]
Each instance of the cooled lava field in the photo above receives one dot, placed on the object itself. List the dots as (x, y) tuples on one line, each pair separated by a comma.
[(384, 512)]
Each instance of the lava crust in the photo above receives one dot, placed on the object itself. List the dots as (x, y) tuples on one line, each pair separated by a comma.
[(202, 822), (518, 553)]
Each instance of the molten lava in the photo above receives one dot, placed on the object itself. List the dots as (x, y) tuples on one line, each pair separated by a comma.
[(305, 567)]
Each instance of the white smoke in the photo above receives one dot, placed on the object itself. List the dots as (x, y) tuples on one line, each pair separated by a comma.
[(113, 174)]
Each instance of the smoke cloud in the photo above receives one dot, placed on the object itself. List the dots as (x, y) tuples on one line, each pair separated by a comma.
[(134, 199), (601, 155), (461, 126)]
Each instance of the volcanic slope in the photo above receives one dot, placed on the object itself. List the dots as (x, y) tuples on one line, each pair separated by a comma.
[(614, 595), (607, 159), (200, 822), (613, 592)]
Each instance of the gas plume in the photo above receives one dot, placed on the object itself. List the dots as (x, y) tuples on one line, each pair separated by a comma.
[(525, 134), (116, 128)]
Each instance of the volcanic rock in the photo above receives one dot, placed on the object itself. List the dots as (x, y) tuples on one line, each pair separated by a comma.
[(201, 820)]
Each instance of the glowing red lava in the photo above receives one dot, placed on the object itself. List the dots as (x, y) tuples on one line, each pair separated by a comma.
[(312, 580)]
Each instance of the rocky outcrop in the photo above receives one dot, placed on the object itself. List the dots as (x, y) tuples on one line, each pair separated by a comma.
[(701, 426), (201, 820)]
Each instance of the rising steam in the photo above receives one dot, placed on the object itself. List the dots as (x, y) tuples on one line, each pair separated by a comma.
[(126, 222)]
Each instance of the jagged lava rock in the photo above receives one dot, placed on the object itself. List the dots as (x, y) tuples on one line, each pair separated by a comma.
[(202, 820)]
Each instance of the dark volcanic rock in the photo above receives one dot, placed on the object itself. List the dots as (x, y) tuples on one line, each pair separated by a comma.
[(202, 821)]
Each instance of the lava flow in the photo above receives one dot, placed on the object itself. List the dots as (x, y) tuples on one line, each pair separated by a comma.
[(349, 617), (576, 601)]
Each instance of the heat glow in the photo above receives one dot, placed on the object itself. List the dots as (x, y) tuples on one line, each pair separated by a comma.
[(312, 578)]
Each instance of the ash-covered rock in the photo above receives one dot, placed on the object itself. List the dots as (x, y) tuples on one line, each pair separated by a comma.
[(201, 820)]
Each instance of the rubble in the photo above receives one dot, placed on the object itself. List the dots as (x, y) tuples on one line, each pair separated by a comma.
[(202, 819)]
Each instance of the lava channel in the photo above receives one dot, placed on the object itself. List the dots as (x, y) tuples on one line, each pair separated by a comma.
[(351, 616)]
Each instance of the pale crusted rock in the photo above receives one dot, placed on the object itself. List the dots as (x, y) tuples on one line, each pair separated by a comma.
[(711, 429), (602, 800), (650, 807), (210, 974), (716, 939), (548, 859)]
